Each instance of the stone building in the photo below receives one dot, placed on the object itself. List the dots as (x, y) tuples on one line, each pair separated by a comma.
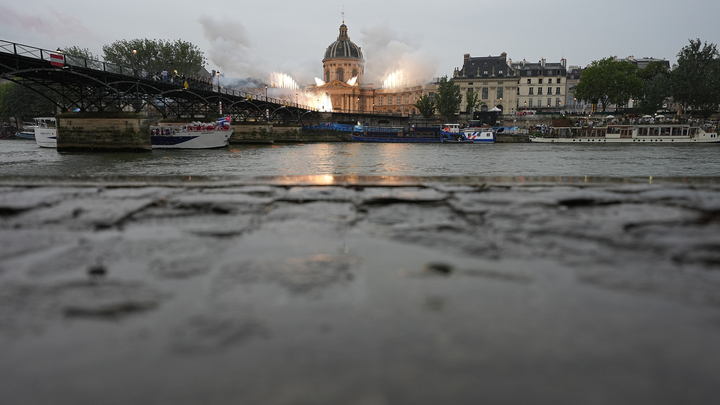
[(492, 78), (343, 81), (541, 85)]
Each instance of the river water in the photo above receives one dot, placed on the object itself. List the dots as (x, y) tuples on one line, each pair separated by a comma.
[(25, 158)]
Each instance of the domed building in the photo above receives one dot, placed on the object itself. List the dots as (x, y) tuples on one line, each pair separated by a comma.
[(343, 70), (343, 59)]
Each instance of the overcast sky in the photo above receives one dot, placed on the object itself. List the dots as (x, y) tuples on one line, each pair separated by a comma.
[(252, 39)]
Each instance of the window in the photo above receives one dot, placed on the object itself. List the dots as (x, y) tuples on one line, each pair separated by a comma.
[(354, 72), (340, 75), (327, 75), (549, 91), (540, 92), (484, 83), (530, 103), (484, 93), (470, 84), (399, 99), (389, 100), (558, 81), (407, 99), (539, 102), (529, 81), (549, 81), (499, 93), (540, 81), (557, 90), (380, 100), (557, 102), (549, 102), (531, 91)]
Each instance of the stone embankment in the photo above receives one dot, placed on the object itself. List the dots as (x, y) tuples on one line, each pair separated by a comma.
[(351, 290)]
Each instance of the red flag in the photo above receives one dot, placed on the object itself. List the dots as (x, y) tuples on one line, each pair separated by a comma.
[(57, 60)]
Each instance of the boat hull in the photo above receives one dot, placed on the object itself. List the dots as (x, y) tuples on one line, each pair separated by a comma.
[(46, 137), (25, 135), (653, 139), (192, 140)]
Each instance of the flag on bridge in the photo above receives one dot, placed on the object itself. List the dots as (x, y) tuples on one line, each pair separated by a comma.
[(57, 59), (224, 119)]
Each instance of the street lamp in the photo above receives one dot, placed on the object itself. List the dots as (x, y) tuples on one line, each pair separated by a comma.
[(266, 93), (218, 77)]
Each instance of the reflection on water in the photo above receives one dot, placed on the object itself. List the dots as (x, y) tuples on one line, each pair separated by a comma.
[(327, 160)]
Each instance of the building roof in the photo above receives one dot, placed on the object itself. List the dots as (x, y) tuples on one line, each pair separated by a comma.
[(343, 47), (489, 66)]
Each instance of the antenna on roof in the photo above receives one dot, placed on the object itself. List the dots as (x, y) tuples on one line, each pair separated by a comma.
[(343, 14)]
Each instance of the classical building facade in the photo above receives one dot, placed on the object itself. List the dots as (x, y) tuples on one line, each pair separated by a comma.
[(343, 76), (492, 78), (541, 85)]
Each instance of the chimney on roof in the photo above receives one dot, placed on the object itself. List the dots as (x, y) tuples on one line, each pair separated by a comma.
[(466, 57), (542, 62)]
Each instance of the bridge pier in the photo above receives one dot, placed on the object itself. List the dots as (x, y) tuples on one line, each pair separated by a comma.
[(109, 132)]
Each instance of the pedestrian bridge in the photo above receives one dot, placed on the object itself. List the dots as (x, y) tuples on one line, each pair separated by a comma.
[(76, 83)]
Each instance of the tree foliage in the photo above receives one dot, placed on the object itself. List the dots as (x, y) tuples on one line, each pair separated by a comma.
[(23, 104), (77, 51), (473, 100), (448, 99), (426, 106), (609, 81), (696, 80), (156, 55), (656, 87)]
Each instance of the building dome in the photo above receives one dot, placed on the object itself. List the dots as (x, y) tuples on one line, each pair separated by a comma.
[(343, 47)]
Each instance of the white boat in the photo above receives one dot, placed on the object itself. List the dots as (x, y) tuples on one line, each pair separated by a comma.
[(480, 134), (46, 132), (651, 133), (191, 136), (453, 134), (27, 132)]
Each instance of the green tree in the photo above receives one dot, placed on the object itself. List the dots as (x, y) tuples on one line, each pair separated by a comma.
[(77, 51), (473, 100), (609, 81), (156, 55), (656, 87), (23, 104), (696, 80), (591, 87), (426, 106), (448, 99)]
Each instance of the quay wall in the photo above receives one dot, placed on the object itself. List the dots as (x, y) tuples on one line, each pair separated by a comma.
[(103, 132)]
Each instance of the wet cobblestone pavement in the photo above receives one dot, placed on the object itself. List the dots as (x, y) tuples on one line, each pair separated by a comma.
[(360, 291)]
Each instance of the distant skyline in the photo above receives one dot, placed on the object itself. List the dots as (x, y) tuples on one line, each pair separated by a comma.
[(425, 39)]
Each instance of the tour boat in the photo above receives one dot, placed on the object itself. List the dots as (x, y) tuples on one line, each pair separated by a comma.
[(46, 132), (191, 136), (650, 133)]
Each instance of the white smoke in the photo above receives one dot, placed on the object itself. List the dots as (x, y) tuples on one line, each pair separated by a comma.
[(230, 48), (389, 54)]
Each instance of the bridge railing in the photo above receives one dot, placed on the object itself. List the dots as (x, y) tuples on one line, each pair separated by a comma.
[(79, 61)]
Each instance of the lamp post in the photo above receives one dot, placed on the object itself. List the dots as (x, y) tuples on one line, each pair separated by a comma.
[(218, 77), (266, 99)]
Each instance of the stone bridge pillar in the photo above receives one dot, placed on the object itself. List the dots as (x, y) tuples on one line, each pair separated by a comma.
[(103, 132)]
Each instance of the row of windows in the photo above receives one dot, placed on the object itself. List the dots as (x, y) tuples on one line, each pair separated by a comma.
[(390, 99), (540, 103), (540, 81), (540, 91)]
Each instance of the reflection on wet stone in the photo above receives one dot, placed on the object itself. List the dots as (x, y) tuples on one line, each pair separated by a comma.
[(273, 288), (296, 274)]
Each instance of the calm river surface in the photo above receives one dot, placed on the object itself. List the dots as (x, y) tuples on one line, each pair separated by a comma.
[(25, 158)]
